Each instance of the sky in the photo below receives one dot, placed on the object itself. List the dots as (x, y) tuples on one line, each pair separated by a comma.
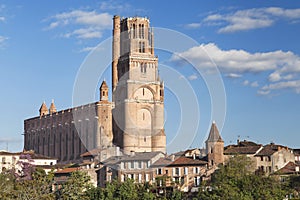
[(235, 62)]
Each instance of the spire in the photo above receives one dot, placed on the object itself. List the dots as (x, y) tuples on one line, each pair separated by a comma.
[(52, 107), (43, 110), (214, 135)]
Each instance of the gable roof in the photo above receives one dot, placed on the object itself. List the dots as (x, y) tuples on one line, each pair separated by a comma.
[(138, 156), (179, 161), (241, 150), (270, 149), (289, 168)]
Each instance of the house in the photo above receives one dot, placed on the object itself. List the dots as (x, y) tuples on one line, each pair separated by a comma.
[(12, 160), (183, 172), (247, 148), (273, 157), (136, 166), (266, 159)]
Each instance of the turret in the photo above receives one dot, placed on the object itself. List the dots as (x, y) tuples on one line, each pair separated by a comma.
[(104, 91), (115, 51), (52, 108), (43, 109), (214, 146)]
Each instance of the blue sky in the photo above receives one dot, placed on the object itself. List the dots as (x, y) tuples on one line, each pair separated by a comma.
[(254, 44)]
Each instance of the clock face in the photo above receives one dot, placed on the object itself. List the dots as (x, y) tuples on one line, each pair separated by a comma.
[(143, 93)]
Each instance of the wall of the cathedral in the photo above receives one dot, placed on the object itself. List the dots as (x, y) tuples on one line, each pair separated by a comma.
[(69, 133)]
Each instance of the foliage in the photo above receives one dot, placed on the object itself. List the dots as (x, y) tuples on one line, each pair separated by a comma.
[(235, 181), (76, 186), (26, 167)]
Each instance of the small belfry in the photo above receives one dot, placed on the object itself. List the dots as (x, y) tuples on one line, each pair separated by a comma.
[(52, 108)]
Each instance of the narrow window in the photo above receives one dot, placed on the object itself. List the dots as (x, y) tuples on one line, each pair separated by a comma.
[(143, 91), (134, 31), (143, 31), (143, 116), (140, 31)]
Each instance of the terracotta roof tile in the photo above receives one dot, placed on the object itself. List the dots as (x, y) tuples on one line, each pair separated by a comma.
[(180, 161), (241, 149), (289, 168), (270, 149), (67, 170)]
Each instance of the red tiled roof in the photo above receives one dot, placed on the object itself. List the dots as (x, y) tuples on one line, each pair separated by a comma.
[(93, 152), (67, 170), (241, 149), (289, 168), (180, 161), (270, 149)]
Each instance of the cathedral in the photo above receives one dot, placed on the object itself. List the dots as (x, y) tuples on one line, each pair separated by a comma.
[(132, 122)]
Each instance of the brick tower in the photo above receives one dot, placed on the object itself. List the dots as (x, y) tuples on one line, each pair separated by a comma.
[(137, 90)]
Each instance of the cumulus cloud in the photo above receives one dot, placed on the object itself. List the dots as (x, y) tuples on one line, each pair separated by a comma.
[(294, 85), (278, 66), (239, 61), (248, 19), (85, 24)]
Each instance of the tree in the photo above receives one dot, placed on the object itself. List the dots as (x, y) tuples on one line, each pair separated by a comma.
[(7, 181), (235, 181), (39, 187), (76, 186)]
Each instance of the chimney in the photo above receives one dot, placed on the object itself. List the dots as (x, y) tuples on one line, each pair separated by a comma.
[(132, 153), (172, 157)]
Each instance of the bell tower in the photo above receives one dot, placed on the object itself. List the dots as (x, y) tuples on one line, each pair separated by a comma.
[(138, 91)]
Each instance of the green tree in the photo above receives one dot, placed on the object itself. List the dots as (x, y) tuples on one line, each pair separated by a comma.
[(235, 181), (7, 181), (39, 187), (128, 190), (76, 186)]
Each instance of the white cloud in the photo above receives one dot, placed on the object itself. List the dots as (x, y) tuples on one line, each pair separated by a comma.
[(85, 24), (239, 61), (2, 40), (87, 49), (261, 92), (295, 85), (193, 25), (246, 82), (84, 33), (233, 75), (114, 5), (2, 19), (276, 66), (254, 84), (248, 19), (192, 77)]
